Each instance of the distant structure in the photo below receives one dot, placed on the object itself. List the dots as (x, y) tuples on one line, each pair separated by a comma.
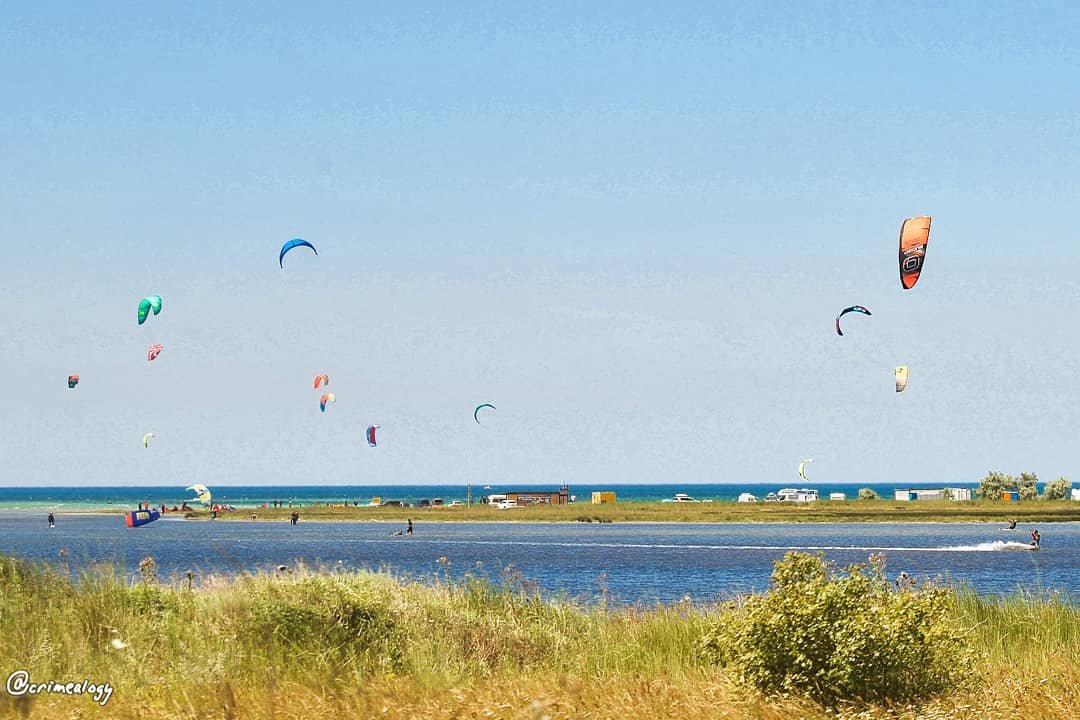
[(600, 498), (954, 494)]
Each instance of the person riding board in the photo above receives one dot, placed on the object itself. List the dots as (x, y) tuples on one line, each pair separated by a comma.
[(1035, 539), (1012, 525)]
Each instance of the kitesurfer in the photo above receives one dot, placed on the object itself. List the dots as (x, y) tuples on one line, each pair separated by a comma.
[(52, 520), (408, 530), (1035, 539), (1012, 525)]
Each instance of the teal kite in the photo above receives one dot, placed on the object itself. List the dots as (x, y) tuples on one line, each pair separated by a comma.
[(148, 303)]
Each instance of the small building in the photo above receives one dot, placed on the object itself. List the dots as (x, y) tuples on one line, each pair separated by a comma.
[(599, 498), (838, 496), (1010, 496), (747, 497), (535, 497), (956, 494), (1075, 494)]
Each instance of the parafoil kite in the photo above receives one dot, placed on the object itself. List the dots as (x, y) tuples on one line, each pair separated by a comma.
[(475, 412), (73, 380), (146, 439), (153, 351), (202, 493), (148, 303), (901, 377), (914, 235), (845, 311), (323, 379), (371, 434), (294, 244), (802, 468), (327, 398)]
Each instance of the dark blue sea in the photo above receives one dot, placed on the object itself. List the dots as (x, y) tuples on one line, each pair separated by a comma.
[(82, 498), (632, 563)]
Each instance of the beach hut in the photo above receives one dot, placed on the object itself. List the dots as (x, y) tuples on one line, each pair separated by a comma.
[(1010, 496), (747, 497), (599, 498), (838, 496)]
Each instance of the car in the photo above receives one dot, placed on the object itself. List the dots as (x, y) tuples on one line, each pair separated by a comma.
[(423, 503), (394, 503), (506, 505), (455, 503)]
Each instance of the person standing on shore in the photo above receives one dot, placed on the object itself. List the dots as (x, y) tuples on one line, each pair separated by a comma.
[(409, 529)]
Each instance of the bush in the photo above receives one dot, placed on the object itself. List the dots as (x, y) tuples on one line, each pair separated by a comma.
[(1057, 489), (867, 494), (847, 636)]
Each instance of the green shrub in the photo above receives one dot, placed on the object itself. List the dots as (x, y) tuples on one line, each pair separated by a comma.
[(1057, 489), (847, 636), (867, 494)]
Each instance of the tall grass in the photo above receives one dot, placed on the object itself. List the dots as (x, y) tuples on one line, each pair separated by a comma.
[(332, 645)]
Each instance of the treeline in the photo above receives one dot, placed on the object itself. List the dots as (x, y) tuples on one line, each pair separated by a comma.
[(996, 483)]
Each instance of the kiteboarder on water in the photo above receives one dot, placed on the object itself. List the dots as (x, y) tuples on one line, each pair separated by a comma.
[(52, 520), (1035, 538), (1012, 525)]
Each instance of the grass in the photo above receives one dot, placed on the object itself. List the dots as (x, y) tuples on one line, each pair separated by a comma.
[(821, 511), (320, 645)]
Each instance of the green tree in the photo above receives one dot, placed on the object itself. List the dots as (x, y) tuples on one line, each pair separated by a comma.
[(867, 494), (1057, 489), (995, 483), (1027, 484)]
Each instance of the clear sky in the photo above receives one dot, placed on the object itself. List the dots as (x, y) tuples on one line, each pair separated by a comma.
[(627, 225)]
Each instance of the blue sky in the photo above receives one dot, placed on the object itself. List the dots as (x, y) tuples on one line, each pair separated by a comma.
[(628, 226)]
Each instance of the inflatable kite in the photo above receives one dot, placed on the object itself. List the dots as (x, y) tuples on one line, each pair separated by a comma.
[(802, 468), (146, 439), (148, 303), (73, 380), (371, 434), (323, 379), (475, 413), (138, 518), (914, 235), (901, 378), (845, 311), (153, 351), (294, 244), (202, 493), (327, 398)]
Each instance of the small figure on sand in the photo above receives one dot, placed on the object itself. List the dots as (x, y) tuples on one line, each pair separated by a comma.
[(52, 520), (294, 517)]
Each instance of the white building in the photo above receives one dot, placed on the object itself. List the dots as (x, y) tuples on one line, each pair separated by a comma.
[(837, 496), (800, 495), (747, 497), (956, 494)]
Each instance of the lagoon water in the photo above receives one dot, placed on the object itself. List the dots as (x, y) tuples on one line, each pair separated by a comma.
[(632, 562)]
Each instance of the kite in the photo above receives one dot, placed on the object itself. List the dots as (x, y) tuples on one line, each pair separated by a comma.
[(153, 351), (845, 311), (802, 468), (327, 398), (371, 434), (477, 410), (901, 378), (202, 493), (136, 518), (323, 379), (148, 303), (294, 244), (146, 439), (73, 380), (914, 235)]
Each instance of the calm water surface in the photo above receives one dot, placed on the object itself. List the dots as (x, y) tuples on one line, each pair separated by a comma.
[(636, 563)]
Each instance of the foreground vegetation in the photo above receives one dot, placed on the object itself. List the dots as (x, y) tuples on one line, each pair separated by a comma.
[(320, 645), (821, 511)]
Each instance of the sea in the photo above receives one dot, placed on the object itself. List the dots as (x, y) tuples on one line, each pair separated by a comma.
[(92, 498), (632, 564)]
